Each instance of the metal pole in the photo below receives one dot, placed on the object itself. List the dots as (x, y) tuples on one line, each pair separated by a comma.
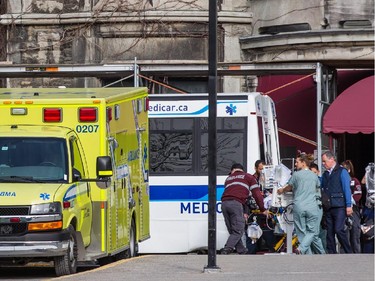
[(136, 70), (319, 113), (212, 145)]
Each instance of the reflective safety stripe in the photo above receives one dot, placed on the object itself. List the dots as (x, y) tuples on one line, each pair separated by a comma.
[(105, 173), (254, 186), (239, 183)]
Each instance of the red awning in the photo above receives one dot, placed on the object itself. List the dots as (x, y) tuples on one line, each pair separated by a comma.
[(353, 110)]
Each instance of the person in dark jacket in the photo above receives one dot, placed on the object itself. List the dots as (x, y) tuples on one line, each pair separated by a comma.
[(354, 231), (266, 224), (338, 206), (238, 187)]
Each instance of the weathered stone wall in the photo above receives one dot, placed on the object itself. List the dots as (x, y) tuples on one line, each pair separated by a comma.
[(51, 82), (337, 11), (105, 31), (153, 41), (339, 33), (48, 6), (319, 14), (38, 44), (276, 12)]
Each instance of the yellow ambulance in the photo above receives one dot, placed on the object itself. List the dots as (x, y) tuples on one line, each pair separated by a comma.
[(73, 175)]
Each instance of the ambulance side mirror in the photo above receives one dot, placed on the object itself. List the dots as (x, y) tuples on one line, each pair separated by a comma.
[(104, 167)]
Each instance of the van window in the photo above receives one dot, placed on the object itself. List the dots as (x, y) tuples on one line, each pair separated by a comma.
[(39, 159), (77, 164), (181, 145)]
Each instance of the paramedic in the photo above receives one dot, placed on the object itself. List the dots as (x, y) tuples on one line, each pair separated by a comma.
[(238, 187)]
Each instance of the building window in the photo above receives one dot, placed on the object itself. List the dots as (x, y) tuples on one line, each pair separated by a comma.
[(275, 29), (355, 24)]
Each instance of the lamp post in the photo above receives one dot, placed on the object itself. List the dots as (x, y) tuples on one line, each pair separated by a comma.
[(212, 141)]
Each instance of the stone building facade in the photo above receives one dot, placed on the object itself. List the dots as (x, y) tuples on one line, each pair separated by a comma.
[(175, 33), (337, 33), (172, 37), (57, 32)]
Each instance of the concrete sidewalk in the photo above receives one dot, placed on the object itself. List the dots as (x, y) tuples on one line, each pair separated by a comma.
[(235, 267)]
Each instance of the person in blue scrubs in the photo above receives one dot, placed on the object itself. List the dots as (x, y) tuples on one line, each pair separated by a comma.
[(307, 214), (323, 228)]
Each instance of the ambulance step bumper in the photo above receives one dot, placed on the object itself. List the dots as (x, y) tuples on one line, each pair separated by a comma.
[(33, 249), (38, 244)]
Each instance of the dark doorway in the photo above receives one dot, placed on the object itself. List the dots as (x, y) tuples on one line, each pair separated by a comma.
[(359, 148)]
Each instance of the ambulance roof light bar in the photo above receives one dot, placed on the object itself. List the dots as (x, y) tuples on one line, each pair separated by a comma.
[(52, 115), (87, 114)]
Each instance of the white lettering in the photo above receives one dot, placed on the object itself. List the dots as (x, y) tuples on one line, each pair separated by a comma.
[(236, 177)]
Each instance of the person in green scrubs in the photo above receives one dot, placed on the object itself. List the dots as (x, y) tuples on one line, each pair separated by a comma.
[(307, 214)]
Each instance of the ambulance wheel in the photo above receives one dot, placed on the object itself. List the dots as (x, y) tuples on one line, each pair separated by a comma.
[(67, 264), (133, 246)]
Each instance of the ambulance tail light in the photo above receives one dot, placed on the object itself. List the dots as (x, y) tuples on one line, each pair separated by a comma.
[(109, 114), (52, 114), (147, 104), (87, 114)]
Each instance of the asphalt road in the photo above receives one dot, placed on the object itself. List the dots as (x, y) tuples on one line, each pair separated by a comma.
[(280, 267)]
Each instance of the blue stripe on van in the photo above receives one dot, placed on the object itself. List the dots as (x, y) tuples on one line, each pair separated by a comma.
[(182, 192), (198, 112)]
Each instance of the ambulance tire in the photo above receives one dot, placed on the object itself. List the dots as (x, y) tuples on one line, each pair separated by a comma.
[(133, 246), (67, 264)]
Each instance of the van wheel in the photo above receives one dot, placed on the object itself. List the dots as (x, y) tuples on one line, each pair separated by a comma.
[(67, 264), (133, 246)]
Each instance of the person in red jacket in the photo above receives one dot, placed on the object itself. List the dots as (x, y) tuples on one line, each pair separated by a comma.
[(239, 185)]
